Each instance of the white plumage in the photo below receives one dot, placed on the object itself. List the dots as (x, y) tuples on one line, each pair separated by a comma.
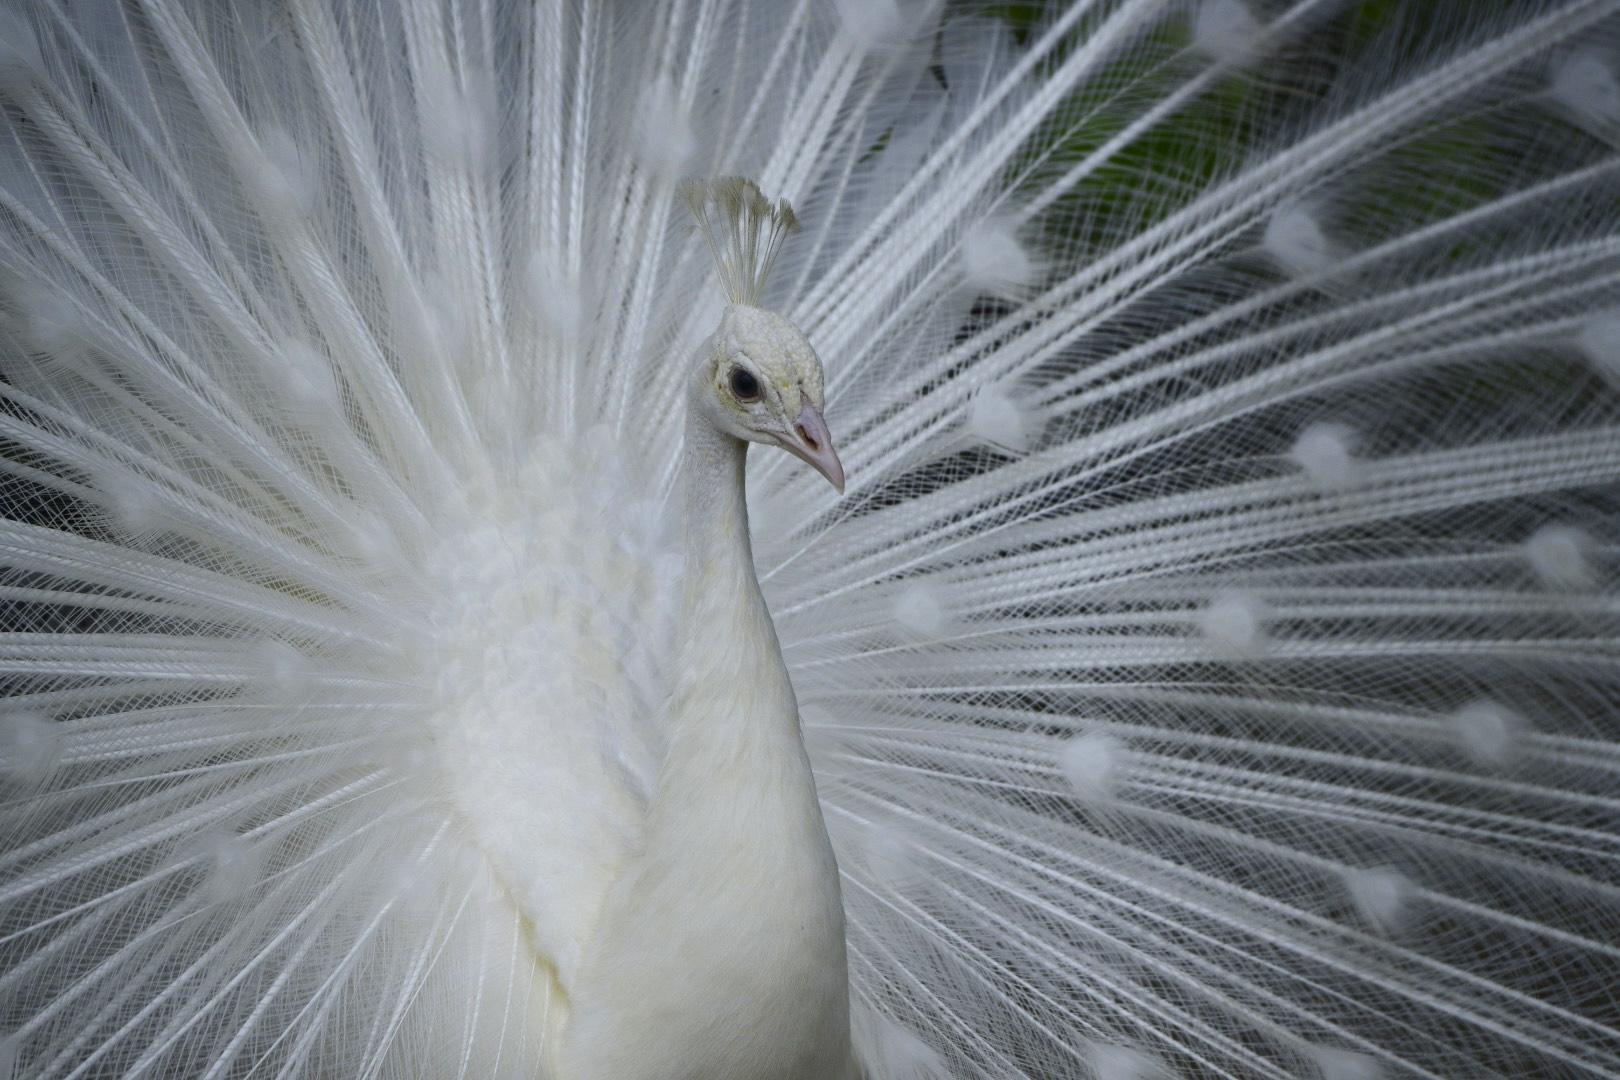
[(1210, 670)]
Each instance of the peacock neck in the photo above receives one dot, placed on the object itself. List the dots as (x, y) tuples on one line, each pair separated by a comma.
[(731, 907), (715, 520), (721, 598)]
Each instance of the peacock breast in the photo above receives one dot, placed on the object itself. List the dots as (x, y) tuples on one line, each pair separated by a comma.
[(723, 949)]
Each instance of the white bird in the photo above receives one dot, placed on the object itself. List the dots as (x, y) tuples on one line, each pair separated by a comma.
[(1211, 669), (729, 893)]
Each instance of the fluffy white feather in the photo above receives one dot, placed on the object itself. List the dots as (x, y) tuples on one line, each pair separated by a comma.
[(1382, 897), (1091, 763), (1226, 30), (1326, 451), (1294, 238), (994, 260)]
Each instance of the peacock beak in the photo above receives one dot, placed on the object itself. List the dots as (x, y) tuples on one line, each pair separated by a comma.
[(813, 442)]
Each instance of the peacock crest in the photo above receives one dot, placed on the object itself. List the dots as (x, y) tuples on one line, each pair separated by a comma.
[(742, 229)]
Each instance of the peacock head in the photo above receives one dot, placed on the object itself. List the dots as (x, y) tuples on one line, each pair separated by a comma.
[(761, 380)]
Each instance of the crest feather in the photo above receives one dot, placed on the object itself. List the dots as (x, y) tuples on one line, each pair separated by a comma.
[(744, 231)]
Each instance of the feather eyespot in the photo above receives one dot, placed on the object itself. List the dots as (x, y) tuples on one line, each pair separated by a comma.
[(744, 387)]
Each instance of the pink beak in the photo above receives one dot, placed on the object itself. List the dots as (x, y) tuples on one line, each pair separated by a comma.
[(812, 442)]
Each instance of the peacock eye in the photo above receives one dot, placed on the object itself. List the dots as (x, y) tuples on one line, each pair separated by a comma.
[(744, 387)]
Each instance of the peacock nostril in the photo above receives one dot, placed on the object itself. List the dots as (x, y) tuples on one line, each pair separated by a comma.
[(810, 440)]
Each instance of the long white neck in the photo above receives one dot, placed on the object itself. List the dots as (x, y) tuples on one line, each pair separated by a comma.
[(731, 909), (721, 599), (714, 508)]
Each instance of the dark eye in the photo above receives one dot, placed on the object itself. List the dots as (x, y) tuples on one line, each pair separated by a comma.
[(744, 387)]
